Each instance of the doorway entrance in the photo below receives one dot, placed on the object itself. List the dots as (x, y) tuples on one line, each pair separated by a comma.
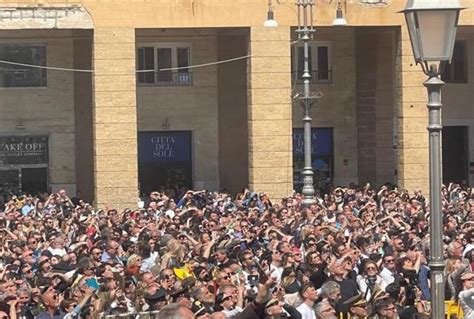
[(31, 180), (164, 160), (455, 154), (24, 161)]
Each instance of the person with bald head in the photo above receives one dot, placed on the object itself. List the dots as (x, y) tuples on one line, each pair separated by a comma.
[(218, 315), (175, 311)]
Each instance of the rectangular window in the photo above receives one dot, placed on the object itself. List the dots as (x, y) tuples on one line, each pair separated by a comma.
[(319, 62), (301, 60), (170, 63), (22, 76), (323, 63), (164, 62), (146, 62), (456, 71), (183, 60)]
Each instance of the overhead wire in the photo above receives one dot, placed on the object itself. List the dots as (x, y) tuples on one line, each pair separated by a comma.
[(136, 71)]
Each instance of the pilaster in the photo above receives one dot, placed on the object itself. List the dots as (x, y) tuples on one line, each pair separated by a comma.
[(412, 119), (115, 118), (269, 112)]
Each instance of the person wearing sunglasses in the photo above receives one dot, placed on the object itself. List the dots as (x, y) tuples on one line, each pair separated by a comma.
[(309, 295), (274, 309), (225, 303), (389, 269), (357, 307), (385, 309), (370, 281), (324, 310), (51, 302)]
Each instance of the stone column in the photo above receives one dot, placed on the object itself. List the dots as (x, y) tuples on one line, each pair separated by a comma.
[(115, 118), (269, 112), (412, 119)]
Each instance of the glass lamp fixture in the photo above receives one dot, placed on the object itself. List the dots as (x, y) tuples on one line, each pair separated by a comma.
[(270, 22)]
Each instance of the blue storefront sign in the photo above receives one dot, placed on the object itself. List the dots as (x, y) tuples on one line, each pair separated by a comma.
[(321, 156), (162, 147), (321, 141)]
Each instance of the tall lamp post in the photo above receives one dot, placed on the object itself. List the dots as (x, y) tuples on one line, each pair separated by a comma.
[(305, 33), (432, 26)]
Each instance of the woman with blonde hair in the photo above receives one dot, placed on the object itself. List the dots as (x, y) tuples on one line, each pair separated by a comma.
[(174, 256)]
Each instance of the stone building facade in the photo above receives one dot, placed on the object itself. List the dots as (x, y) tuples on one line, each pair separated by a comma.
[(131, 98)]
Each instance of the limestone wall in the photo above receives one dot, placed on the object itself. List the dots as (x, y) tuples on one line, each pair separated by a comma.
[(192, 108), (45, 110)]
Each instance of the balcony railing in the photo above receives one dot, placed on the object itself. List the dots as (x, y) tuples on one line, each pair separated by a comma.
[(22, 77), (317, 77), (164, 78)]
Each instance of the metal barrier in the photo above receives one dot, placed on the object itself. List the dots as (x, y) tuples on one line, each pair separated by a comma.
[(164, 78), (134, 315), (452, 311)]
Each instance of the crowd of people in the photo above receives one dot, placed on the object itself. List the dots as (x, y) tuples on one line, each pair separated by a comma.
[(357, 252)]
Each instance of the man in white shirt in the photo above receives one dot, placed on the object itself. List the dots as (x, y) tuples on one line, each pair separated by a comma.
[(309, 295), (388, 270), (275, 267), (466, 296)]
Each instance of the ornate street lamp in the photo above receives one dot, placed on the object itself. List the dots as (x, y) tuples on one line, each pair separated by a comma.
[(432, 25), (305, 33)]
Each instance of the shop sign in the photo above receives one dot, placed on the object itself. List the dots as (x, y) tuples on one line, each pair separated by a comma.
[(321, 142), (164, 146), (24, 150)]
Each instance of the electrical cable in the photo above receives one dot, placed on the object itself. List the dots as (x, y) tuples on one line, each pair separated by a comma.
[(45, 67), (137, 71)]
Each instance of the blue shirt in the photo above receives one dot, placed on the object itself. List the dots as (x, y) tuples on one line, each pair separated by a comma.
[(26, 209), (45, 315)]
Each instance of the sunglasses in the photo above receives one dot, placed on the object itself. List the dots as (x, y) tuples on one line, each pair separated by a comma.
[(274, 303), (328, 310)]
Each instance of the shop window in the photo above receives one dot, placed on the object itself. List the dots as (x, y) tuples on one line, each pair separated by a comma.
[(456, 71), (164, 65), (164, 160), (19, 75), (319, 62)]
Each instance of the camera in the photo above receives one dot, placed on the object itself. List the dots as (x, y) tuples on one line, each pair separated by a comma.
[(253, 280), (411, 277), (371, 281)]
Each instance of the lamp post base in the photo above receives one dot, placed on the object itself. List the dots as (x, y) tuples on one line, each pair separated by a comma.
[(308, 188), (308, 202)]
